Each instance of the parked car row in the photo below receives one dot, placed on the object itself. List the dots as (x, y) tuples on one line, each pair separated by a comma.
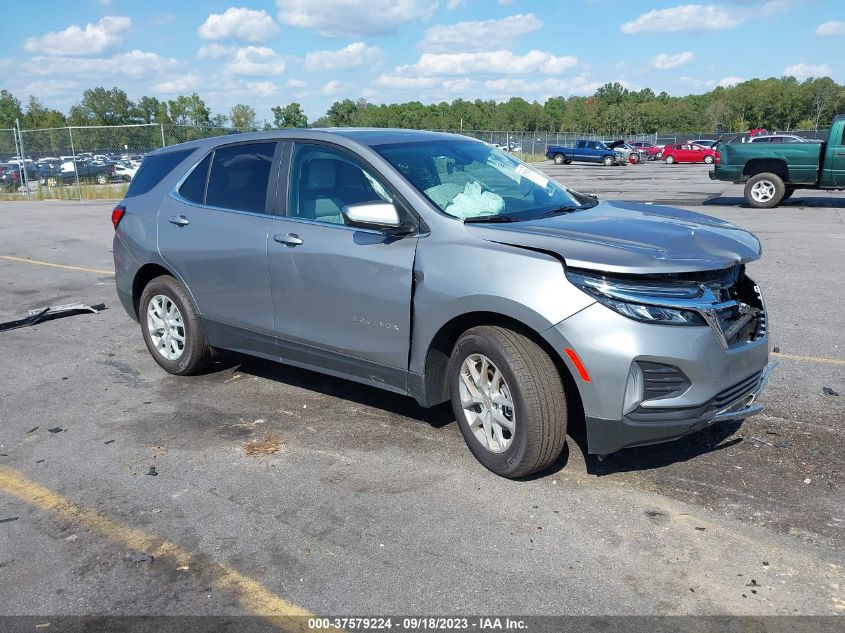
[(52, 171)]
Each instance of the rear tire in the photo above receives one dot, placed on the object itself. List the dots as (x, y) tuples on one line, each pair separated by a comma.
[(558, 159), (184, 357), (708, 159), (523, 388), (764, 191)]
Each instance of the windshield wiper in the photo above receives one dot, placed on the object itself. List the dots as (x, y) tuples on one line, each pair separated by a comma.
[(491, 218), (557, 211)]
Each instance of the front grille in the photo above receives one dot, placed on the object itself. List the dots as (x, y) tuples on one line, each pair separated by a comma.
[(735, 392), (662, 381), (743, 320)]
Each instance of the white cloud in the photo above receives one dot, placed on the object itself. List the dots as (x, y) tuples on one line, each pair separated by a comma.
[(695, 83), (331, 88), (391, 81), (833, 27), (501, 62), (686, 17), (134, 64), (238, 23), (74, 40), (479, 35), (803, 71), (354, 17), (256, 60), (295, 83), (262, 88), (453, 4), (178, 85), (664, 61), (352, 56), (215, 51)]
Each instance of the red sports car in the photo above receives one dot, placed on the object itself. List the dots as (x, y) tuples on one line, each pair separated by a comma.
[(689, 153)]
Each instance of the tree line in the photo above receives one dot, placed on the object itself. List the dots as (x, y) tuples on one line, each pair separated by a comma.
[(101, 106), (775, 103)]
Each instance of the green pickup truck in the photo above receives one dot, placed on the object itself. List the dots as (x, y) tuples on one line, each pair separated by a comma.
[(773, 171)]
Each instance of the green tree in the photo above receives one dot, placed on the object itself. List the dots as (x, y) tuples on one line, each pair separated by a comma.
[(342, 113), (290, 115), (10, 109), (100, 106), (37, 116), (242, 117), (189, 111)]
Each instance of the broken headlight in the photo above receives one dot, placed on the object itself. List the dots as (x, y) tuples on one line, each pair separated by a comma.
[(648, 301)]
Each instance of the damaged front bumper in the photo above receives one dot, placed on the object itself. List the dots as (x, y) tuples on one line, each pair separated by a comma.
[(714, 383)]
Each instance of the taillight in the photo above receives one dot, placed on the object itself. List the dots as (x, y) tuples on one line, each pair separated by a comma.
[(117, 215)]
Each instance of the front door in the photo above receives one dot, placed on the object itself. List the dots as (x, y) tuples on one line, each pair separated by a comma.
[(834, 159), (340, 292)]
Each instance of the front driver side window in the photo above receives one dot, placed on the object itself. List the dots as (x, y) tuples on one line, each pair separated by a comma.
[(324, 180)]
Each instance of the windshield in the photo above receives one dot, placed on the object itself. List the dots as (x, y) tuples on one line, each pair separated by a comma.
[(472, 180)]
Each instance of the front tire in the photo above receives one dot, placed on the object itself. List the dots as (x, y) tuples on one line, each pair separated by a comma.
[(670, 160), (608, 161), (172, 328), (508, 398), (764, 191)]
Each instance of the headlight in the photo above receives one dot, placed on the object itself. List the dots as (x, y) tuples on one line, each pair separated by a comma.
[(649, 302)]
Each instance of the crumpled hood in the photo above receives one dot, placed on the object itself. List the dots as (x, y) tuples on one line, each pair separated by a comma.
[(626, 237)]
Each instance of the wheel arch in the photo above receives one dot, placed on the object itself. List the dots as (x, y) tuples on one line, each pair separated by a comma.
[(435, 387), (776, 166), (145, 275)]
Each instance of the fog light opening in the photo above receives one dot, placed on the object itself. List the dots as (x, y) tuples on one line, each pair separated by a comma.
[(633, 389)]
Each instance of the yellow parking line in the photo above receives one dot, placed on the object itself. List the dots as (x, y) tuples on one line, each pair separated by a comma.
[(252, 596), (38, 262), (811, 359)]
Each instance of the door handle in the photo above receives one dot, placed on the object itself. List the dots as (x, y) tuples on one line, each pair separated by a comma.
[(179, 220), (291, 239), (839, 154)]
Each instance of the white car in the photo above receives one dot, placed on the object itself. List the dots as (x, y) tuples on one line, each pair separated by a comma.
[(124, 173)]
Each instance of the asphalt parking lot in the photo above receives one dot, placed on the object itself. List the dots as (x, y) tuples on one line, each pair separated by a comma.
[(371, 504)]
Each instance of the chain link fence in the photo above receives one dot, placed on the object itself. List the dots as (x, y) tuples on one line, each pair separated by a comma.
[(98, 162), (83, 163)]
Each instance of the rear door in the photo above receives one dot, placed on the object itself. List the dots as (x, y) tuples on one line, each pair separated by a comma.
[(337, 288), (212, 231)]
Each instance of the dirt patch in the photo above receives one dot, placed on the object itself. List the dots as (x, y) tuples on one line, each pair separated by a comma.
[(268, 446)]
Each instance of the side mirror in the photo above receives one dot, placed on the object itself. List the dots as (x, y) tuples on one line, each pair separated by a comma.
[(381, 216)]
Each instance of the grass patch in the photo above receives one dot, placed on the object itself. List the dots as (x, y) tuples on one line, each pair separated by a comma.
[(114, 191)]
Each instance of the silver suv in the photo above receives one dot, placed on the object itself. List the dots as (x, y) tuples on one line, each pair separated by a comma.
[(440, 267)]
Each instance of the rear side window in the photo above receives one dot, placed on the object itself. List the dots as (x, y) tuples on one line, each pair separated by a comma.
[(239, 177), (193, 188), (153, 169)]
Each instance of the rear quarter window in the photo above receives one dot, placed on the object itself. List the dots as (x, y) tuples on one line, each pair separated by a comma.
[(153, 169)]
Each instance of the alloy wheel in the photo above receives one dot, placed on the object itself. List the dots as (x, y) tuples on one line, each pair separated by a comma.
[(487, 403), (763, 191), (166, 327)]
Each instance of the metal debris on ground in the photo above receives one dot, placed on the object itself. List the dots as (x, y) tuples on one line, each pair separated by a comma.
[(152, 472), (55, 429), (9, 520), (32, 430), (827, 391), (269, 445), (51, 312)]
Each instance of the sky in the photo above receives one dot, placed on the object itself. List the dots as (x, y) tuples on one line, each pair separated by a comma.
[(315, 52)]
